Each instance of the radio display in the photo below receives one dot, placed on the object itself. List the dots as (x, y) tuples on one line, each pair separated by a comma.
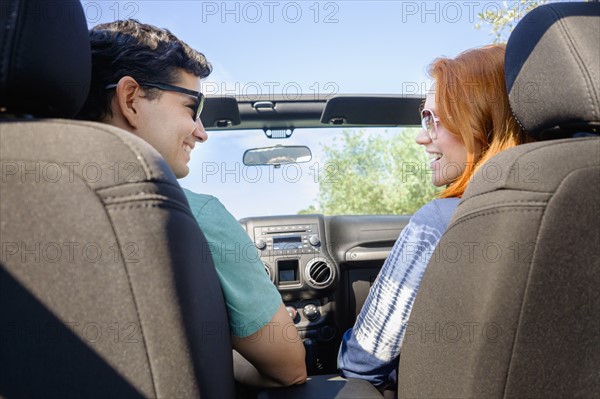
[(287, 242)]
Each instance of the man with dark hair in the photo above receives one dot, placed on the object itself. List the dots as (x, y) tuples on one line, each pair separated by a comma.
[(147, 81)]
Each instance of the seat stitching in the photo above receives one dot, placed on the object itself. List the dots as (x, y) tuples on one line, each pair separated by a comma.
[(110, 197), (527, 285), (502, 189), (135, 197), (116, 237), (157, 204), (128, 207), (5, 46), (516, 161), (502, 203), (467, 218), (101, 189), (513, 202), (122, 255), (538, 210), (99, 127), (589, 87), (543, 213)]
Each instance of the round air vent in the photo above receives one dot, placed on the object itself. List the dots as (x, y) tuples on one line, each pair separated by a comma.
[(319, 273), (268, 270)]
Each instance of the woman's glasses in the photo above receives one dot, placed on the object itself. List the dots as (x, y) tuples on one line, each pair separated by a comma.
[(429, 123)]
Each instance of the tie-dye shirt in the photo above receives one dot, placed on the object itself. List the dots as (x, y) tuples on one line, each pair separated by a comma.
[(371, 348)]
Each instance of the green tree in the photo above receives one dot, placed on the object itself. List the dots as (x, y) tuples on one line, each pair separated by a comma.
[(374, 174), (504, 18)]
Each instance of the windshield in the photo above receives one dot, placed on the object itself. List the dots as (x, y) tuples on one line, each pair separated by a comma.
[(263, 49), (352, 171)]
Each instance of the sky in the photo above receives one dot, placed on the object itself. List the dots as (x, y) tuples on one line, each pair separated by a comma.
[(359, 46), (307, 47)]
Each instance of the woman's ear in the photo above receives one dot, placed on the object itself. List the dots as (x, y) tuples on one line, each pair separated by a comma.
[(128, 93)]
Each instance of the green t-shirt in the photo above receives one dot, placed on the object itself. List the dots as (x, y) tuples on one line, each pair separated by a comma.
[(250, 296)]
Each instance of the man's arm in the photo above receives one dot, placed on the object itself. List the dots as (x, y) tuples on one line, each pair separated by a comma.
[(262, 330), (275, 350)]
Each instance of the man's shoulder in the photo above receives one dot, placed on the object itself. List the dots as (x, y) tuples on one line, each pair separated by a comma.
[(198, 202), (214, 219), (197, 197)]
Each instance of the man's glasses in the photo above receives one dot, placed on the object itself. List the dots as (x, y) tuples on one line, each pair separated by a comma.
[(163, 86), (429, 123)]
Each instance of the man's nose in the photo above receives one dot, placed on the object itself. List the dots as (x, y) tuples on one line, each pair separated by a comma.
[(200, 134)]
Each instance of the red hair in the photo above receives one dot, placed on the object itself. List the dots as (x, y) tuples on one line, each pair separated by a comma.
[(472, 103)]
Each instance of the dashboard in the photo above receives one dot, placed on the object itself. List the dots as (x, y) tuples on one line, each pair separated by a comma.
[(323, 267)]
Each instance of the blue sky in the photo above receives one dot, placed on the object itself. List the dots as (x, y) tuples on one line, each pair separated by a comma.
[(360, 46), (287, 47)]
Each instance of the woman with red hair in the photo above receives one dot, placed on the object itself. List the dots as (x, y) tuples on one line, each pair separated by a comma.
[(466, 120)]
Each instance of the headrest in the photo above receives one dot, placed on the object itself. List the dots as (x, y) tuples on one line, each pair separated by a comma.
[(45, 69), (552, 69)]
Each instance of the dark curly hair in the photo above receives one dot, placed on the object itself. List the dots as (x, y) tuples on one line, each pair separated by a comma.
[(142, 51)]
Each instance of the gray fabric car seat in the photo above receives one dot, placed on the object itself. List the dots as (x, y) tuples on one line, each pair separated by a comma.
[(107, 287), (509, 306)]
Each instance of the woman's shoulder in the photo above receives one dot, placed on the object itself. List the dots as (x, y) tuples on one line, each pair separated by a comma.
[(436, 213)]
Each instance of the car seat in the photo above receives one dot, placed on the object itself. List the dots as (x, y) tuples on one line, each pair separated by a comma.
[(509, 305), (107, 286)]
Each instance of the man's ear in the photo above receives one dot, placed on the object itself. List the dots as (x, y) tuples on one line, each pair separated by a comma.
[(127, 95)]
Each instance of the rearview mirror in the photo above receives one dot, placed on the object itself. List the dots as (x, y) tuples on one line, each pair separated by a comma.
[(278, 155)]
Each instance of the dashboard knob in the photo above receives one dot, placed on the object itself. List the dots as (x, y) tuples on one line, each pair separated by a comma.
[(311, 312), (260, 244), (314, 240), (292, 311)]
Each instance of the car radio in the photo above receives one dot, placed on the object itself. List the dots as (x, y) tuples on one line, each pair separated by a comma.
[(287, 240), (294, 255)]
